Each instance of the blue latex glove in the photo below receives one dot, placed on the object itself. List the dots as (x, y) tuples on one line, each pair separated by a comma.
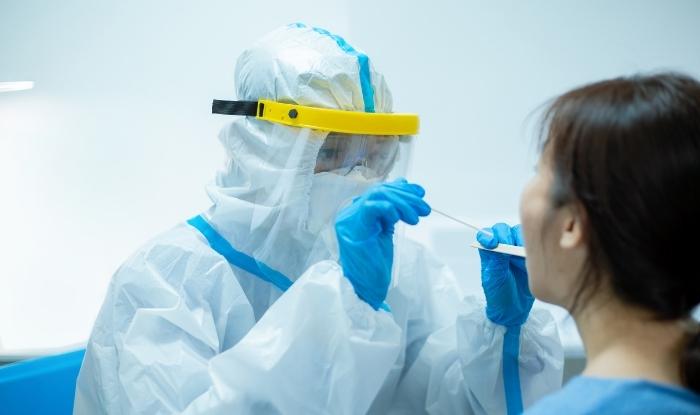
[(365, 230), (504, 278)]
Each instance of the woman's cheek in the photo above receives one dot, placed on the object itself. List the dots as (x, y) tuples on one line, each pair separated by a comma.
[(534, 205)]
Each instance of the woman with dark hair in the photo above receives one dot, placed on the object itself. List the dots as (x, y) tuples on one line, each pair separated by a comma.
[(611, 222)]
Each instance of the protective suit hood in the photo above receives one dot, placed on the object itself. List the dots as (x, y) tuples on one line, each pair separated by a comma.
[(262, 196)]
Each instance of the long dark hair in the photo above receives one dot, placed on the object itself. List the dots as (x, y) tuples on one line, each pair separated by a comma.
[(627, 150)]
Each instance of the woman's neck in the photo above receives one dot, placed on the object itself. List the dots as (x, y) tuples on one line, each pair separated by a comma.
[(625, 342)]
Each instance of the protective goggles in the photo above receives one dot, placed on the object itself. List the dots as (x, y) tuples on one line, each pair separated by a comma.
[(341, 153), (324, 119)]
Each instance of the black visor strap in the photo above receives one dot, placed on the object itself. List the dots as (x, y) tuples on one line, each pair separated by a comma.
[(249, 108)]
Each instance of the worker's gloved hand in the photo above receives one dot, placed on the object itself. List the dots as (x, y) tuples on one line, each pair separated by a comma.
[(365, 232), (504, 277)]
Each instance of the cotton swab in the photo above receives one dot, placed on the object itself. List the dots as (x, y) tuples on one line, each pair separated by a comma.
[(518, 251), (467, 224)]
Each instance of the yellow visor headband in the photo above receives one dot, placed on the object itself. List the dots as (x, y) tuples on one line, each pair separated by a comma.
[(339, 121)]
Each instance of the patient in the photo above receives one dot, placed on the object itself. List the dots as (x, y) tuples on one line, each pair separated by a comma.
[(610, 223)]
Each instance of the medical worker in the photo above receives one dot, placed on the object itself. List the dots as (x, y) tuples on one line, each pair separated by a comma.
[(286, 297), (610, 223)]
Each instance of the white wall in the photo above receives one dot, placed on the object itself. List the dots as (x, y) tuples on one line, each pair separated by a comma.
[(115, 142)]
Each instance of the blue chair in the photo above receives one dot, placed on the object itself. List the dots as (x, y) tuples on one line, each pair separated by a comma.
[(45, 385)]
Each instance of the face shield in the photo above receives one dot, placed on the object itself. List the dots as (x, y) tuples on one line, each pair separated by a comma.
[(373, 146), (300, 166)]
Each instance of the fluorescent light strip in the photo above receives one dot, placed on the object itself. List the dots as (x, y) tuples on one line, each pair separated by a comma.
[(16, 86)]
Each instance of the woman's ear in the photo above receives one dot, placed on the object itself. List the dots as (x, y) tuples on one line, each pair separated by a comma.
[(572, 228)]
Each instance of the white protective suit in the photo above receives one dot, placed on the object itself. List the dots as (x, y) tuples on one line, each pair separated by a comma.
[(182, 330)]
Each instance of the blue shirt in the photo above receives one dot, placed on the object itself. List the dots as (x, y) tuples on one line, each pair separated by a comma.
[(587, 395)]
